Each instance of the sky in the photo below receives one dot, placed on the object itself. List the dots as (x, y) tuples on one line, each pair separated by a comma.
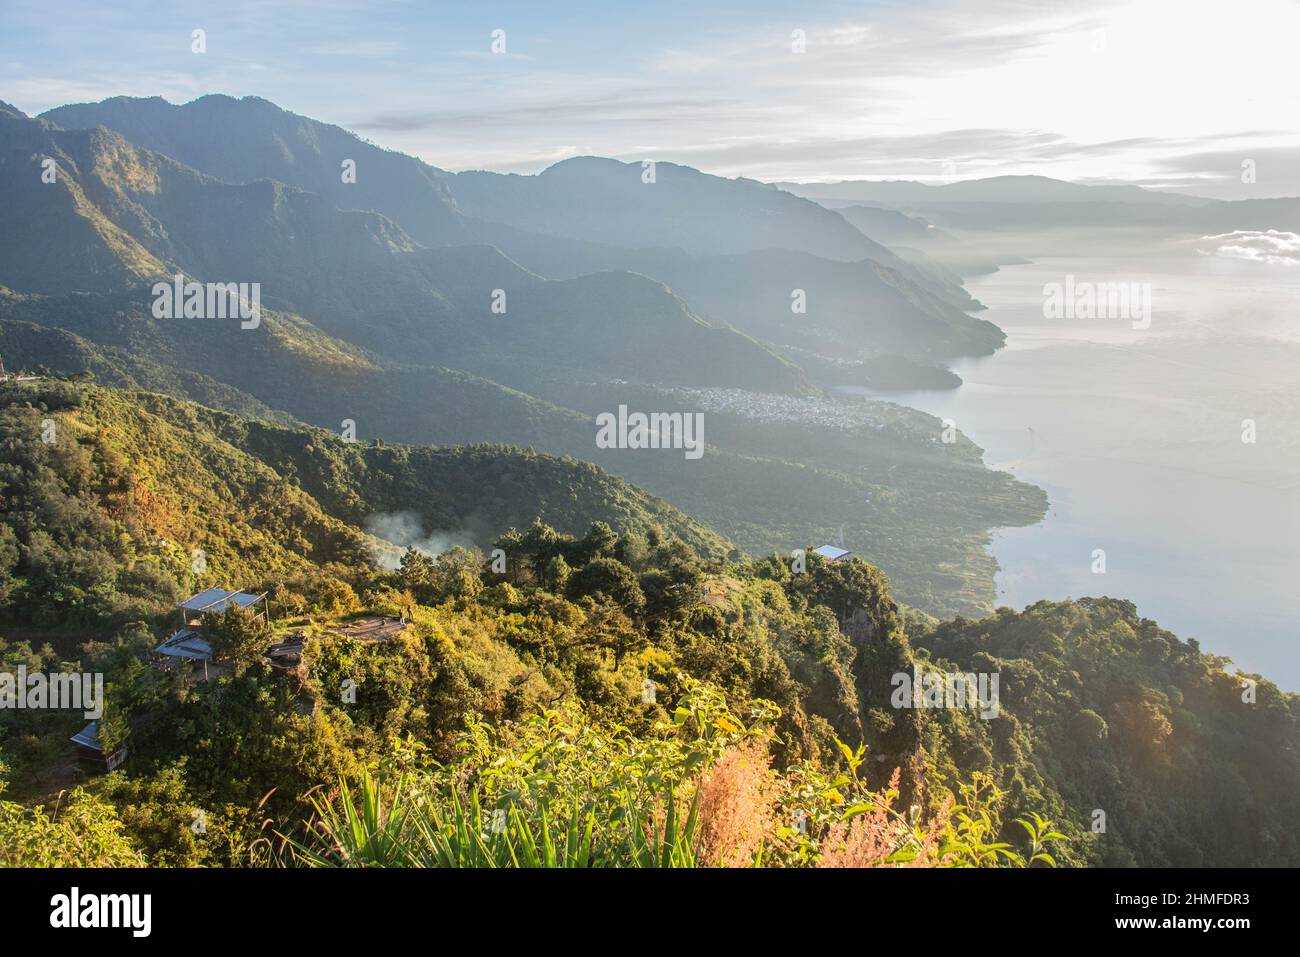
[(1173, 95)]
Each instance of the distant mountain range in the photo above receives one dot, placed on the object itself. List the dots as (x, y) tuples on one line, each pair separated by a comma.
[(118, 214), (1033, 205), (579, 216), (431, 307), (994, 189)]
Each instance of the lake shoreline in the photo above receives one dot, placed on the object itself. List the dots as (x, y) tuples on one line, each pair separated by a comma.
[(1131, 432)]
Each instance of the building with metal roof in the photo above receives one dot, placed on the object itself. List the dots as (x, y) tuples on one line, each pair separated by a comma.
[(219, 599), (214, 601), (187, 643), (830, 552), (91, 751)]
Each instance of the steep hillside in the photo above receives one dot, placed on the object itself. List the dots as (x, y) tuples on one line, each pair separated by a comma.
[(100, 521), (912, 305), (105, 503), (779, 470), (287, 365), (1190, 764), (47, 349), (56, 238)]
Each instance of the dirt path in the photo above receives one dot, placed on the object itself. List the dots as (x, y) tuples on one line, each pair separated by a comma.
[(62, 774)]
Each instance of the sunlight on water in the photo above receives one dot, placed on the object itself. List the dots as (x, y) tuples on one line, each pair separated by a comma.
[(1137, 438)]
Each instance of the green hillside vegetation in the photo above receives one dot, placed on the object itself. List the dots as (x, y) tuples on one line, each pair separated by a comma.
[(47, 350), (139, 481), (918, 508), (285, 364), (622, 692), (1193, 764)]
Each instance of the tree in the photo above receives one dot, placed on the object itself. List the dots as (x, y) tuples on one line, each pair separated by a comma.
[(611, 578), (597, 543), (608, 627), (237, 634), (557, 574), (416, 574), (1089, 727), (847, 587), (456, 574)]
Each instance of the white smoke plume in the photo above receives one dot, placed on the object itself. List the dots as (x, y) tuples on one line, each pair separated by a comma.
[(398, 531)]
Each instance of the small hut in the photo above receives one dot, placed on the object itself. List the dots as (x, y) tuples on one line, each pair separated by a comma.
[(91, 753), (188, 643), (831, 553)]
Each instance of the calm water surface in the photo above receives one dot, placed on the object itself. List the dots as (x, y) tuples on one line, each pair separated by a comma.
[(1136, 435)]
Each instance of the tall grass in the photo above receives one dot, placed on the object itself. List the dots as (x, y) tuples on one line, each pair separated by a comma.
[(375, 826), (558, 792)]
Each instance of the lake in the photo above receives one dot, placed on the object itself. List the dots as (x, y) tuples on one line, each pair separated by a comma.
[(1137, 437)]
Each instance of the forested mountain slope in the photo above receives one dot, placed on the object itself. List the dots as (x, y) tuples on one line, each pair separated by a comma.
[(108, 511), (106, 494), (778, 470)]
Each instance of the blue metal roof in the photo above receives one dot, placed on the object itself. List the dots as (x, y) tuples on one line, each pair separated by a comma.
[(186, 643), (219, 599), (88, 737), (830, 552)]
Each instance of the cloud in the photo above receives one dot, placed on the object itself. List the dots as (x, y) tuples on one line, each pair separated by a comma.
[(358, 48), (1265, 246), (640, 106), (1217, 170), (1175, 95)]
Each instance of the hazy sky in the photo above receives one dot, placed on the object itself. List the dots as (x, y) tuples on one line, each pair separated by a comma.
[(1177, 94)]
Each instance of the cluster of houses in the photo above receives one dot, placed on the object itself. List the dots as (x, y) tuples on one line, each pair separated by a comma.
[(6, 376), (838, 413), (189, 648), (188, 644)]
